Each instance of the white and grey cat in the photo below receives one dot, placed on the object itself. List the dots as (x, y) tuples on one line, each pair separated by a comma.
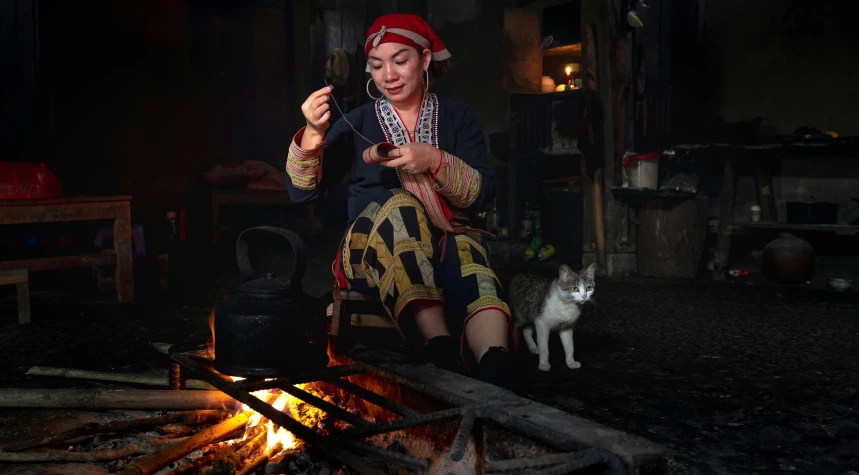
[(541, 305)]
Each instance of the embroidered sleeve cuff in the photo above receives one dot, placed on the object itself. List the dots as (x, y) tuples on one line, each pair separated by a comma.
[(304, 166), (463, 183)]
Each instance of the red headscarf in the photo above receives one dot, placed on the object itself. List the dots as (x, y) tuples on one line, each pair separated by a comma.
[(407, 29)]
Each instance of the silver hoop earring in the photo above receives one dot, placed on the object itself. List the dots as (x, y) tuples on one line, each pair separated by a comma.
[(368, 91), (426, 84)]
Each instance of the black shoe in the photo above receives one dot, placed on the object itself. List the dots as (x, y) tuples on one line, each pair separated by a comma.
[(443, 352), (496, 367)]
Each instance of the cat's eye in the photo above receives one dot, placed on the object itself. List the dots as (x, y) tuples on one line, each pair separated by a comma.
[(575, 289), (590, 287)]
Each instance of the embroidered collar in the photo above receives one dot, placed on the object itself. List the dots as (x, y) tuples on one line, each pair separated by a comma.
[(397, 133)]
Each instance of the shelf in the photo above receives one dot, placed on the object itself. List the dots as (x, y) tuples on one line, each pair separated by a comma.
[(575, 48), (625, 192), (556, 95), (847, 229)]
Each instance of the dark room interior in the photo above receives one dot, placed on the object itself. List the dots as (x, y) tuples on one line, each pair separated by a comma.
[(429, 236)]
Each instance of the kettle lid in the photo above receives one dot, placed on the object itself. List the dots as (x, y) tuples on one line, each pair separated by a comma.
[(269, 285)]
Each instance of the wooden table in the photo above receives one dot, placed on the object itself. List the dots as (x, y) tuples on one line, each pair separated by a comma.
[(251, 197), (773, 149), (116, 208)]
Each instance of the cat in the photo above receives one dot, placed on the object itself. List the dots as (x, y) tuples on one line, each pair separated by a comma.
[(543, 305)]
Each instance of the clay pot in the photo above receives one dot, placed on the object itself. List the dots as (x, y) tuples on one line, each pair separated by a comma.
[(788, 259)]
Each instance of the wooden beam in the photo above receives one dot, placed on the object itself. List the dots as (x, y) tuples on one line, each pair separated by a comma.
[(53, 213), (64, 262)]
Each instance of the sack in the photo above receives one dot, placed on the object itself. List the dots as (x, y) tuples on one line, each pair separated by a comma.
[(26, 181)]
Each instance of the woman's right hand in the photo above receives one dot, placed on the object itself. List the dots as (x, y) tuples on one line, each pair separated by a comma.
[(316, 110)]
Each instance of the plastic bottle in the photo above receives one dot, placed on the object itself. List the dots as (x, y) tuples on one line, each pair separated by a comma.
[(527, 222)]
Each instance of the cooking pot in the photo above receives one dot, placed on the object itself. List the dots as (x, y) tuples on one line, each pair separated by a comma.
[(269, 328), (811, 212)]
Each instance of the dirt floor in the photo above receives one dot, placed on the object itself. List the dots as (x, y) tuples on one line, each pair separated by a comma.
[(731, 378)]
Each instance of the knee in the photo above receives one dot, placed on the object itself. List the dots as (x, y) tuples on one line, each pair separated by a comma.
[(401, 198)]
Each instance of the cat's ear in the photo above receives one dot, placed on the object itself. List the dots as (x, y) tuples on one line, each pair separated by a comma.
[(565, 272), (590, 271)]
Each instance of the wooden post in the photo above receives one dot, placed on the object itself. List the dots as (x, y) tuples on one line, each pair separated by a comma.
[(726, 217), (20, 278), (23, 289), (124, 258), (609, 69)]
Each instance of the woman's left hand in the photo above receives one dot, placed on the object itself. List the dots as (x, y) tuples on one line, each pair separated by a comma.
[(414, 158)]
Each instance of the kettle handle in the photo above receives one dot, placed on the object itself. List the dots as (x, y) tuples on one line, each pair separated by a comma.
[(298, 252)]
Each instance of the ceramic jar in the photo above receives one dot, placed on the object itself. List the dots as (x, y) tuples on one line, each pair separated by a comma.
[(788, 259)]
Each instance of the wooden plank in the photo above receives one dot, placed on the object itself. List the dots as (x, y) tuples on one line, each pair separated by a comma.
[(27, 213), (64, 201), (64, 262), (523, 51), (574, 49), (845, 229), (373, 321), (10, 277), (251, 198)]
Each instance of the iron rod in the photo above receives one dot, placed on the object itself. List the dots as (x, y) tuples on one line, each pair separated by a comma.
[(298, 429), (403, 460), (326, 406), (373, 397), (462, 435), (401, 424), (308, 377)]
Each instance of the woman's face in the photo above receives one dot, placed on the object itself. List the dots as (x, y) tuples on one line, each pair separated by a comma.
[(398, 71)]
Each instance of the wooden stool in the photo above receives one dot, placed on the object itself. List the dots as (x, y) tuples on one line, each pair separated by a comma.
[(21, 279), (354, 309)]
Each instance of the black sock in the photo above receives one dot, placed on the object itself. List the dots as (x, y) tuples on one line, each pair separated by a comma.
[(496, 367), (443, 351)]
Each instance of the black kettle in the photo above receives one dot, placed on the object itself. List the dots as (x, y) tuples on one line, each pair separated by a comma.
[(269, 328)]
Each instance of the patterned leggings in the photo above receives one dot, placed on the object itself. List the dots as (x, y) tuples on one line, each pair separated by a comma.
[(393, 249)]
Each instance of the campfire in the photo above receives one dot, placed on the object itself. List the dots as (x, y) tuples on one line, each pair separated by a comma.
[(349, 417)]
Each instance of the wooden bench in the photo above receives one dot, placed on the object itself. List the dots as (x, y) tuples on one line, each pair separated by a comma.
[(354, 309), (21, 280), (56, 210)]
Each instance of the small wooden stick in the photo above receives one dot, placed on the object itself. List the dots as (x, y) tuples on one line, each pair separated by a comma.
[(260, 461), (117, 426), (144, 379), (114, 399), (147, 445), (155, 462)]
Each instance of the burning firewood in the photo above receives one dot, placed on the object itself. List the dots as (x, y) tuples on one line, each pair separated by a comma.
[(229, 455), (146, 445), (260, 461), (156, 462), (191, 417)]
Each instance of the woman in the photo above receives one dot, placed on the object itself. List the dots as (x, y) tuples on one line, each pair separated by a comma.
[(417, 164)]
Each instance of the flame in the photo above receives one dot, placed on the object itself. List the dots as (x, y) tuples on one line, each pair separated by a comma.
[(296, 408), (211, 342)]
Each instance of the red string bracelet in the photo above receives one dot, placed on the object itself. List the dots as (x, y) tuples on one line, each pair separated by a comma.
[(438, 167)]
